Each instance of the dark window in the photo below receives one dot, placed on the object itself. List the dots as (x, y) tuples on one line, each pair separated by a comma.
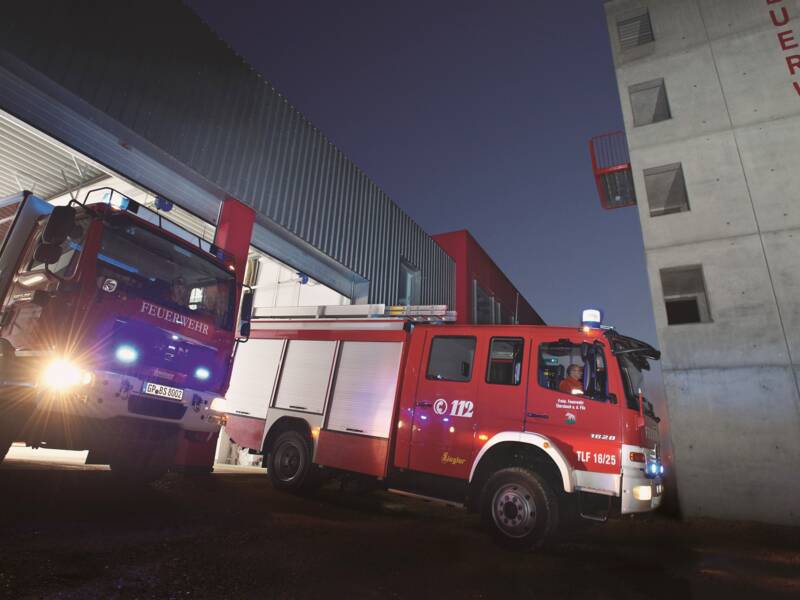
[(148, 265), (71, 248), (408, 289), (559, 361), (666, 190), (685, 295), (451, 358), (483, 304), (649, 102), (505, 361), (634, 29)]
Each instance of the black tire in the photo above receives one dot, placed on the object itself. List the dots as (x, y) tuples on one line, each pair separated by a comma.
[(289, 466), (520, 508)]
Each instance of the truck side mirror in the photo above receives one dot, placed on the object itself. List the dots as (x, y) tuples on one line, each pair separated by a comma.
[(47, 254), (60, 224), (246, 314)]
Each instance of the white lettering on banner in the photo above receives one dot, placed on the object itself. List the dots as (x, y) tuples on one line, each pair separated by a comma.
[(571, 403), (159, 312)]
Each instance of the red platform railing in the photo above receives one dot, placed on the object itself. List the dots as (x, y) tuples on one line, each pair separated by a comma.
[(611, 165)]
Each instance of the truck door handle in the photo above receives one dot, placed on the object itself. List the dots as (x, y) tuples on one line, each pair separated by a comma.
[(425, 404), (537, 416)]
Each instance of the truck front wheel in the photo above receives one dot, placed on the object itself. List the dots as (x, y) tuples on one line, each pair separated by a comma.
[(520, 508), (290, 467)]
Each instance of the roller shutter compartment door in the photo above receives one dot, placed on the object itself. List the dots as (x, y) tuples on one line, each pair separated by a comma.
[(365, 388), (304, 378), (253, 377)]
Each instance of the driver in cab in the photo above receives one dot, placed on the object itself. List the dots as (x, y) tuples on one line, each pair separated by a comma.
[(573, 382)]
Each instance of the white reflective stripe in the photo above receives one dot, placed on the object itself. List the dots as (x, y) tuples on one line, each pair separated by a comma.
[(600, 483), (392, 325), (534, 439)]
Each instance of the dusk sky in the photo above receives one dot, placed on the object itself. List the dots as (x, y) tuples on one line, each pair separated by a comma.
[(470, 115)]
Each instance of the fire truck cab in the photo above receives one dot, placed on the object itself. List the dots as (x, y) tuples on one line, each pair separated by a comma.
[(116, 329), (485, 415)]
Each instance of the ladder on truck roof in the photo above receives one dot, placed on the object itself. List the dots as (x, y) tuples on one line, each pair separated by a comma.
[(427, 313)]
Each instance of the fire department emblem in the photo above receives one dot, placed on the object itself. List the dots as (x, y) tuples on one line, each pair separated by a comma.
[(570, 418), (440, 406)]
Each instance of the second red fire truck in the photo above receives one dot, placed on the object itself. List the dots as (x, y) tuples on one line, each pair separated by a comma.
[(485, 415), (117, 329)]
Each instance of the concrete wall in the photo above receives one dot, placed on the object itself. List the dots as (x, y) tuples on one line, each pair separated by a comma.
[(732, 383)]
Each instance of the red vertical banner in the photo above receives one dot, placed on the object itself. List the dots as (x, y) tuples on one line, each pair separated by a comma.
[(234, 230)]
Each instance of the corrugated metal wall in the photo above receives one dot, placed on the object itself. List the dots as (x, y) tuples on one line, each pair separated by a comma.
[(158, 70)]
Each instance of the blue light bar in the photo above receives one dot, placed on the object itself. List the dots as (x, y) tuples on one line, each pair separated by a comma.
[(126, 354)]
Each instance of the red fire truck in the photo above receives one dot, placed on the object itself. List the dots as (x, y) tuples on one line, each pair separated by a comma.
[(525, 424), (117, 329)]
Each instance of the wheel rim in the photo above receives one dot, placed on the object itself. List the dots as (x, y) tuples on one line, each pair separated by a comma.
[(289, 459), (514, 510)]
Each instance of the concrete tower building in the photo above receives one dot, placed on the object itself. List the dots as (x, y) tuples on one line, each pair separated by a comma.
[(710, 93)]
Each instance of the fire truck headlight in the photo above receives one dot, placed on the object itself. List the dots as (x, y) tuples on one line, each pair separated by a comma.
[(219, 405), (202, 373), (643, 492), (126, 354), (62, 375)]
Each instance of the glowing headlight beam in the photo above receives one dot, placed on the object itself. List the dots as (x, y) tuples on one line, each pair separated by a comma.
[(62, 374)]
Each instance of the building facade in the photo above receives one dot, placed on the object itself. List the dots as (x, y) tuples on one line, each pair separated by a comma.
[(483, 292), (710, 94), (167, 105)]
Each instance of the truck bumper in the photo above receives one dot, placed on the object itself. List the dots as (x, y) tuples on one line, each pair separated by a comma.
[(111, 397), (640, 494)]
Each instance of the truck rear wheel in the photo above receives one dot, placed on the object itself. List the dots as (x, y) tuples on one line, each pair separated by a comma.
[(290, 467), (520, 508)]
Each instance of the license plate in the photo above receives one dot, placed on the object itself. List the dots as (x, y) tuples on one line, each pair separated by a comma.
[(156, 389)]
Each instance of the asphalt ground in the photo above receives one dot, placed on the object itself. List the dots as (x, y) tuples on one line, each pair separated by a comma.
[(70, 531)]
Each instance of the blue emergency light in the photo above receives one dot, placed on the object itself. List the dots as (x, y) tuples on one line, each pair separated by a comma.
[(592, 318)]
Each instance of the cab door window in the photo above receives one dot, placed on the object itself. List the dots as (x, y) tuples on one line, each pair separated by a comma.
[(575, 369), (451, 358), (505, 361)]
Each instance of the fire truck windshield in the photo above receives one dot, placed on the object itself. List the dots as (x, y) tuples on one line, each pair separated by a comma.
[(633, 381), (150, 266)]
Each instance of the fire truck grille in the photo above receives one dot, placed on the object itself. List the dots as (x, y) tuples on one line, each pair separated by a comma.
[(150, 407)]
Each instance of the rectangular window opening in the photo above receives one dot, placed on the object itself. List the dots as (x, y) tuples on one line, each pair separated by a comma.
[(565, 369), (451, 358), (685, 296), (649, 102), (483, 309), (505, 361), (409, 285), (666, 190), (635, 29)]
